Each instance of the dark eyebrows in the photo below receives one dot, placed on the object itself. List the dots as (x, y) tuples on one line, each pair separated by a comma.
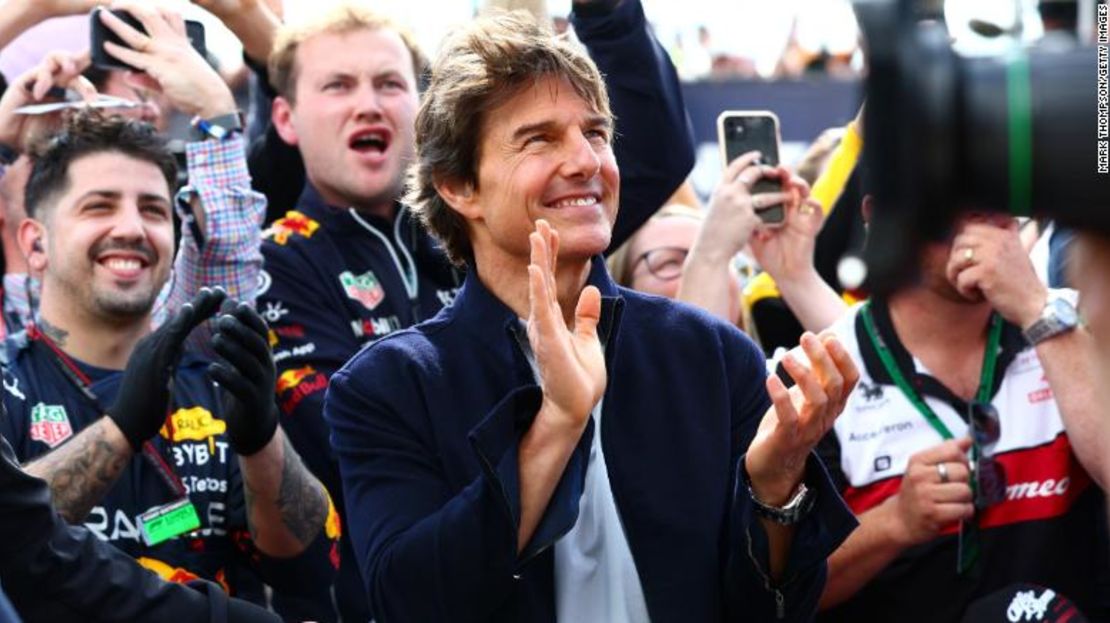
[(594, 121), (532, 128), (114, 195), (600, 121)]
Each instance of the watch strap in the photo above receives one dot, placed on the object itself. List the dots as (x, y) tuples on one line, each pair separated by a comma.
[(220, 127)]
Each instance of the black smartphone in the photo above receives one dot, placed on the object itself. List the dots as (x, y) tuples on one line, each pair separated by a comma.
[(99, 33), (741, 131)]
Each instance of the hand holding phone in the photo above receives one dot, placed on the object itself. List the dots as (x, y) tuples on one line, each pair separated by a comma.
[(167, 50), (741, 131), (100, 34)]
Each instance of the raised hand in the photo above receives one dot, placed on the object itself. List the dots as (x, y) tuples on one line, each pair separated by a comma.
[(571, 363), (799, 417), (731, 218), (168, 63), (144, 393), (787, 251), (988, 261), (57, 69), (245, 370)]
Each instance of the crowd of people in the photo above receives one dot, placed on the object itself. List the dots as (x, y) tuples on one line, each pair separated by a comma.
[(453, 339)]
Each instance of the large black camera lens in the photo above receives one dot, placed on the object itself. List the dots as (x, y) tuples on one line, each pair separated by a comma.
[(947, 134)]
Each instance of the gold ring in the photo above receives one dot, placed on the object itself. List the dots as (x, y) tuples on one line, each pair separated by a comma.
[(806, 209), (756, 202), (969, 254), (942, 471)]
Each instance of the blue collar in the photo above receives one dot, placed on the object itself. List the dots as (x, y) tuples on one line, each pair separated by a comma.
[(489, 318)]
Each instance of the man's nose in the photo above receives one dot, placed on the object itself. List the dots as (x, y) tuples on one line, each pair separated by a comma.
[(128, 224), (582, 159), (368, 102)]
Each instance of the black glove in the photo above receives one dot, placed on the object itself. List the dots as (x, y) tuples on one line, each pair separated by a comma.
[(144, 393), (245, 369)]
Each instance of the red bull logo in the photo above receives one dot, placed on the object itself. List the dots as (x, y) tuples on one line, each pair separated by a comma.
[(297, 384), (167, 572), (292, 378), (294, 223)]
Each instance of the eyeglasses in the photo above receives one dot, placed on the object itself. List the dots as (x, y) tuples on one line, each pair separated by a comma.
[(988, 481), (664, 263)]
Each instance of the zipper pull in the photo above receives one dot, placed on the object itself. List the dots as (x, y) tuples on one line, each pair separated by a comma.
[(780, 605)]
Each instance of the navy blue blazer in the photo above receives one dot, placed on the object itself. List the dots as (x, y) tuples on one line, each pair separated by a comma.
[(426, 424)]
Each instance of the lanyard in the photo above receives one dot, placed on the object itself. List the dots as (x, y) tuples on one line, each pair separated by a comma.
[(82, 382), (986, 376)]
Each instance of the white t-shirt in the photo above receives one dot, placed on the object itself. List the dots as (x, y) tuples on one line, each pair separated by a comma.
[(595, 575)]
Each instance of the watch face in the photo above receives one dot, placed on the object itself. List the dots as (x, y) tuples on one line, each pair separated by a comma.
[(1065, 312)]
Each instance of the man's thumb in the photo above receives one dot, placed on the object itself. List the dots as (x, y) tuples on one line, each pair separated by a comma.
[(587, 312)]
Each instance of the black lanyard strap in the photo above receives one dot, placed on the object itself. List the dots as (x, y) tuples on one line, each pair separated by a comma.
[(986, 375), (82, 383)]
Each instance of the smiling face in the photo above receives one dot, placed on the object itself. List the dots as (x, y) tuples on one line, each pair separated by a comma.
[(352, 115), (109, 237), (544, 153)]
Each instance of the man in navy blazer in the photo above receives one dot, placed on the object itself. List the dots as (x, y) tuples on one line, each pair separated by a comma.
[(552, 447)]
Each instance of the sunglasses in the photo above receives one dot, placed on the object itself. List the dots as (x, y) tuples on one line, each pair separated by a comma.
[(988, 481)]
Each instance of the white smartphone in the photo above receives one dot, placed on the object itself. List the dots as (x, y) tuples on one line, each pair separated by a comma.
[(741, 131)]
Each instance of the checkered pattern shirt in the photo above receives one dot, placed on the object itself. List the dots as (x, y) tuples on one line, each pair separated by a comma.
[(225, 252)]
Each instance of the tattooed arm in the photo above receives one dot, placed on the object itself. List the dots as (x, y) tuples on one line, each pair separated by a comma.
[(81, 471), (286, 505)]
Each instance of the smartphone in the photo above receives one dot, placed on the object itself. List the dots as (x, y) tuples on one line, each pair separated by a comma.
[(99, 33), (741, 131)]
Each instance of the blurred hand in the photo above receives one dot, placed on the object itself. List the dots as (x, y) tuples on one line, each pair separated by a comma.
[(799, 417), (787, 251), (730, 218), (924, 504), (57, 69), (988, 261), (168, 63), (571, 363)]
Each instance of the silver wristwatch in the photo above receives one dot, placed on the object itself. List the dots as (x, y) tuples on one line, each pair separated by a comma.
[(789, 514), (1059, 316)]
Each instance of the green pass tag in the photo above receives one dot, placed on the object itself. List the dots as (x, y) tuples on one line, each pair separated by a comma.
[(162, 523)]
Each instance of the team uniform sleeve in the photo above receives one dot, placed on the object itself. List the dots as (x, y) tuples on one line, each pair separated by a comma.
[(311, 338)]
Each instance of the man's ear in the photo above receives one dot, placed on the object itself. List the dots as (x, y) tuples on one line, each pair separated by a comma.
[(281, 113), (460, 196), (31, 237)]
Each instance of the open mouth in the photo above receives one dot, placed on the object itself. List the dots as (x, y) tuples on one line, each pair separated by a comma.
[(370, 141), (124, 266)]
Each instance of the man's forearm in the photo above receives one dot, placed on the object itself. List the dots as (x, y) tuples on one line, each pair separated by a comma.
[(705, 280), (81, 472), (256, 28), (286, 505), (816, 305), (1070, 364), (543, 456), (16, 16), (869, 549)]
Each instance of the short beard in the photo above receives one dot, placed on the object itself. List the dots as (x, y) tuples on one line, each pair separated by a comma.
[(124, 308)]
